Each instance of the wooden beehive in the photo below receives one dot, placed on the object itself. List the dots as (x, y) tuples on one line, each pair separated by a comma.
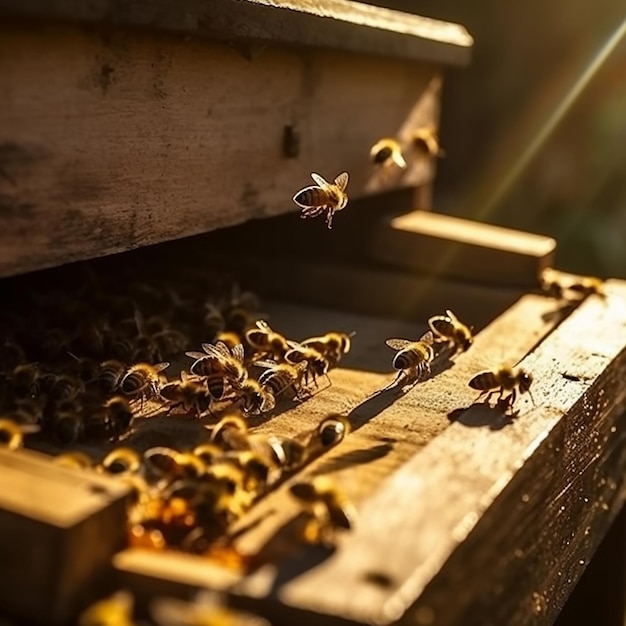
[(161, 121)]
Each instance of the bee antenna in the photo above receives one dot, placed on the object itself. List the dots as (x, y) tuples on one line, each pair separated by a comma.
[(352, 334), (532, 398), (73, 355)]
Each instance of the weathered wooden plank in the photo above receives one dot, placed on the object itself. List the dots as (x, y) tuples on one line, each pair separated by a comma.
[(506, 517), (464, 249), (138, 139), (58, 531), (387, 430), (335, 24)]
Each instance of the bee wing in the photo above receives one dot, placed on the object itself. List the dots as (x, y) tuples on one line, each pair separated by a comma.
[(269, 402), (196, 355), (264, 326), (473, 383), (159, 367), (321, 182), (238, 352), (428, 337), (397, 344), (293, 344), (341, 181), (219, 350), (302, 191), (267, 364)]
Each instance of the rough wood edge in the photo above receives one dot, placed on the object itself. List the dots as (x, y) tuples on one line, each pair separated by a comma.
[(336, 24)]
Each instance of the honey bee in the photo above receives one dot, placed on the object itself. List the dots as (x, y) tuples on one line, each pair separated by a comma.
[(332, 430), (58, 387), (327, 507), (332, 346), (588, 286), (109, 421), (142, 379), (282, 377), (190, 392), (254, 397), (219, 360), (324, 196), (413, 358), (67, 421), (86, 368), (501, 380), (426, 142), (449, 328), (555, 286), (316, 364), (386, 153), (110, 376), (230, 432), (266, 342)]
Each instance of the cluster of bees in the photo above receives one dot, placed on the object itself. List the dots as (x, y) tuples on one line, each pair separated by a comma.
[(327, 198), (88, 376)]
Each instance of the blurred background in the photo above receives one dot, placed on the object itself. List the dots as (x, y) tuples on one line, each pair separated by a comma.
[(534, 129)]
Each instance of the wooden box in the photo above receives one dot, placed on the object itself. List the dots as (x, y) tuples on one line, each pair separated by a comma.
[(163, 120)]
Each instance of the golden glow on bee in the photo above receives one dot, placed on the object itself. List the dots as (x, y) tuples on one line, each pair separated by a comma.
[(413, 358), (10, 434), (323, 197), (426, 142), (501, 380), (449, 328), (387, 153)]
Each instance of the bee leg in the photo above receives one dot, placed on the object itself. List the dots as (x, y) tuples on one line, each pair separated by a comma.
[(329, 218)]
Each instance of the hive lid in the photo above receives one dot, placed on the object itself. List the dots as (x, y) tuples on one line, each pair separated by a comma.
[(335, 24)]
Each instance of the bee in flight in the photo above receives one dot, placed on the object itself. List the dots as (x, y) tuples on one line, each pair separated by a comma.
[(426, 142), (501, 380), (386, 153), (324, 196), (413, 358), (449, 328)]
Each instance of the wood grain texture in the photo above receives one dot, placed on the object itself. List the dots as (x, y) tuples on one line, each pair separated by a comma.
[(507, 517), (335, 24), (114, 141), (464, 249), (58, 531), (388, 429)]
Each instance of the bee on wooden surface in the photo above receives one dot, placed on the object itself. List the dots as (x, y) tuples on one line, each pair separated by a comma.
[(11, 435), (426, 142), (190, 392), (332, 430), (588, 286), (449, 328), (502, 380), (387, 153), (315, 363), (143, 380), (570, 289), (219, 359), (324, 196), (253, 397), (280, 378), (230, 432), (267, 342), (116, 417), (110, 375), (413, 358), (327, 506), (332, 346)]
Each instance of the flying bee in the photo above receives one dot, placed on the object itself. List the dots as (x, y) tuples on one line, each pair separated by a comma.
[(412, 358), (110, 376), (253, 397), (324, 196), (267, 342), (449, 328), (190, 392), (386, 153), (316, 364), (332, 346), (142, 379), (501, 380), (327, 507), (282, 377), (426, 142)]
